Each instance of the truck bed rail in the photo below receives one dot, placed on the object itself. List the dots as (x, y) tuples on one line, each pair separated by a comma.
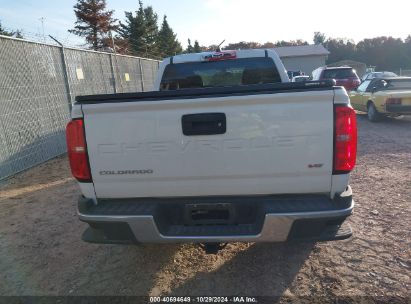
[(255, 89)]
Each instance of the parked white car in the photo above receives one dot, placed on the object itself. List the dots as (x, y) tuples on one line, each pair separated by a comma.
[(301, 78)]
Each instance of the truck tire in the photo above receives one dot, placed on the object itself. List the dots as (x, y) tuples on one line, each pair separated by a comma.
[(372, 113)]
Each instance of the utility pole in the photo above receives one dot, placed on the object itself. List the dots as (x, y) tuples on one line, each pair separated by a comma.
[(42, 27), (113, 45), (113, 70)]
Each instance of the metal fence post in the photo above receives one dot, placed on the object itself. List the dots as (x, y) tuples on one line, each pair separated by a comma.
[(141, 73), (65, 72), (113, 74)]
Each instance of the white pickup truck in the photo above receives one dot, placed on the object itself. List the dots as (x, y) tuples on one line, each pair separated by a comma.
[(226, 149)]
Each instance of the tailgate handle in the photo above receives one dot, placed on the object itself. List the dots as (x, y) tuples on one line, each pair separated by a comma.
[(204, 124)]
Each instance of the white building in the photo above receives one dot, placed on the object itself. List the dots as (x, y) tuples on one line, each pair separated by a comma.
[(304, 58)]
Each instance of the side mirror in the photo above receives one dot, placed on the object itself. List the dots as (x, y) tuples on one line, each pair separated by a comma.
[(374, 89)]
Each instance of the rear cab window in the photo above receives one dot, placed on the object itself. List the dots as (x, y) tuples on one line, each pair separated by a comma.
[(339, 73), (231, 72), (398, 84)]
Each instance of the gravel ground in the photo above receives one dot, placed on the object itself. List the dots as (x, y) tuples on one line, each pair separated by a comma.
[(41, 252)]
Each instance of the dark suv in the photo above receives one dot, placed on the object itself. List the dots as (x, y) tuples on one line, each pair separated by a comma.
[(344, 76)]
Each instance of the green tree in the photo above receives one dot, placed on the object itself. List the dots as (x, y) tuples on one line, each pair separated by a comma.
[(189, 48), (151, 29), (19, 34), (291, 43), (341, 49), (319, 38), (268, 45), (197, 47), (242, 45), (193, 49), (4, 32), (210, 48), (167, 42), (94, 22), (255, 45), (386, 53), (141, 30), (134, 30)]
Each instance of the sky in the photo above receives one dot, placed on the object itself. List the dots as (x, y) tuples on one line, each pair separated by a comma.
[(211, 21)]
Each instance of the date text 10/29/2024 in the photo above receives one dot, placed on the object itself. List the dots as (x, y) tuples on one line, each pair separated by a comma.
[(235, 299)]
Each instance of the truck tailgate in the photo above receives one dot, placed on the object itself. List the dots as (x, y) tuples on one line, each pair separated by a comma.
[(279, 143)]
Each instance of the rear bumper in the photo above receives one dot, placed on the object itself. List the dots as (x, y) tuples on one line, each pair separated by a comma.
[(399, 109), (256, 219)]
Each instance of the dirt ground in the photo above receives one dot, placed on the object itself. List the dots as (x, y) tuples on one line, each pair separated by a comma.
[(41, 252)]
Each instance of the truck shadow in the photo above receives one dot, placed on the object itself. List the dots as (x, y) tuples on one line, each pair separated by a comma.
[(246, 275)]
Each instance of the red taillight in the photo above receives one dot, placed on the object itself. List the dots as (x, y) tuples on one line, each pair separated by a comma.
[(356, 82), (394, 101), (345, 139), (77, 150), (353, 82)]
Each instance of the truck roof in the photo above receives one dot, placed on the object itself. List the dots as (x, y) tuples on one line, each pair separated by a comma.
[(337, 67), (394, 78)]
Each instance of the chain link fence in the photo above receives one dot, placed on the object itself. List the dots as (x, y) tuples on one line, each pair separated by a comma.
[(38, 83), (404, 72)]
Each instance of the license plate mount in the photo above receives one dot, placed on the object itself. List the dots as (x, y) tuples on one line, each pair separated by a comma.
[(209, 214)]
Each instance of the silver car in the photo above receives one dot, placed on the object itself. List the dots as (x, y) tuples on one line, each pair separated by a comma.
[(373, 75)]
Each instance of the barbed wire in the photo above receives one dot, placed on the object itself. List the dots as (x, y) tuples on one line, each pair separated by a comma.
[(71, 40)]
